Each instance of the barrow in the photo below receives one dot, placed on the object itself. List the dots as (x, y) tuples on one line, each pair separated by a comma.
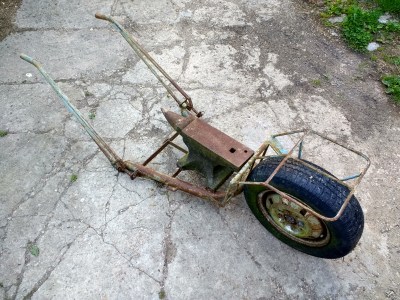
[(299, 202)]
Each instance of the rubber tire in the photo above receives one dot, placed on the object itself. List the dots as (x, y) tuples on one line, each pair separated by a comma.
[(319, 192)]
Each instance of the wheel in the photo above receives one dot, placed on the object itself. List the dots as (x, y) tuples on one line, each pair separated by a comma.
[(295, 226)]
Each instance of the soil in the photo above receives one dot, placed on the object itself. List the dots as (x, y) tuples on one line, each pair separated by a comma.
[(8, 8)]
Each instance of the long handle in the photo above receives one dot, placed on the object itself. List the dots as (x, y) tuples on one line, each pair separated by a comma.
[(151, 64), (115, 160)]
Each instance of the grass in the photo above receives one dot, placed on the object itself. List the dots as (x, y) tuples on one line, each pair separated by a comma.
[(92, 115), (395, 60), (392, 82), (361, 26), (3, 133), (73, 178)]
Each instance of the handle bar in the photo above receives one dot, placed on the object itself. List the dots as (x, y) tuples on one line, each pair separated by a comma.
[(115, 160)]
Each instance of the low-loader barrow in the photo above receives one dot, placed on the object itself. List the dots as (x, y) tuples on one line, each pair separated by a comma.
[(299, 202)]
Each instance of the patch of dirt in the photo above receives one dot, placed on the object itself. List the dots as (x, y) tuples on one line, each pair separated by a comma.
[(8, 8)]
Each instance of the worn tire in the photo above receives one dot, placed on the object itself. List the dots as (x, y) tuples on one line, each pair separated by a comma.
[(316, 190)]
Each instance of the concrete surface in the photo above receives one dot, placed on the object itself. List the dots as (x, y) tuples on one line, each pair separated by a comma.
[(256, 68)]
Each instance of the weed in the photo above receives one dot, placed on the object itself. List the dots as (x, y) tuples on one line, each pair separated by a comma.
[(92, 115), (336, 7), (316, 82), (33, 249), (359, 26), (161, 294), (393, 27), (392, 83), (73, 178), (395, 60), (88, 94), (3, 133), (373, 57)]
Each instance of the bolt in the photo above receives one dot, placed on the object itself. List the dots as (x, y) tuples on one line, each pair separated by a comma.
[(290, 219)]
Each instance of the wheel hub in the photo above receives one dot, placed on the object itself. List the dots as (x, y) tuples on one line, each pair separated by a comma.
[(292, 220)]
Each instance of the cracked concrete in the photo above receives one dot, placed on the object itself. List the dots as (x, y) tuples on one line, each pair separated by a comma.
[(251, 66)]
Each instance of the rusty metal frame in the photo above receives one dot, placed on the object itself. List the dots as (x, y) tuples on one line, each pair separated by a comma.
[(131, 168), (305, 132), (173, 183), (235, 185), (238, 181)]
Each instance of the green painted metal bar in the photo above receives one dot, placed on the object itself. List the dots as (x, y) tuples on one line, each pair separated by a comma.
[(351, 177), (278, 145), (115, 160)]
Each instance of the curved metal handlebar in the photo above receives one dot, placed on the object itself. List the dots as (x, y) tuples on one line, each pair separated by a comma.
[(115, 160), (101, 17), (152, 65)]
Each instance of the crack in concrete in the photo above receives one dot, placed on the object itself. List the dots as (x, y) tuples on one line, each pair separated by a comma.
[(36, 132), (64, 30), (113, 7), (50, 269), (130, 262), (42, 232), (32, 193), (169, 249), (107, 205), (100, 233), (237, 241), (38, 188)]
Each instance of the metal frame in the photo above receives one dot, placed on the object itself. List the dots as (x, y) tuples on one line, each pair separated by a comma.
[(238, 180), (299, 144)]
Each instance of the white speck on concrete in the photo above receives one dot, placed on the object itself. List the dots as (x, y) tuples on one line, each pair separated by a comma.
[(185, 14), (28, 75)]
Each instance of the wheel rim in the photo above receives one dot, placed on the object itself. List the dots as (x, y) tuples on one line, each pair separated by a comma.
[(292, 220)]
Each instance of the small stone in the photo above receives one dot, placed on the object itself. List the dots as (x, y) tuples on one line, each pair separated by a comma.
[(338, 19), (373, 46), (28, 75), (384, 19)]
